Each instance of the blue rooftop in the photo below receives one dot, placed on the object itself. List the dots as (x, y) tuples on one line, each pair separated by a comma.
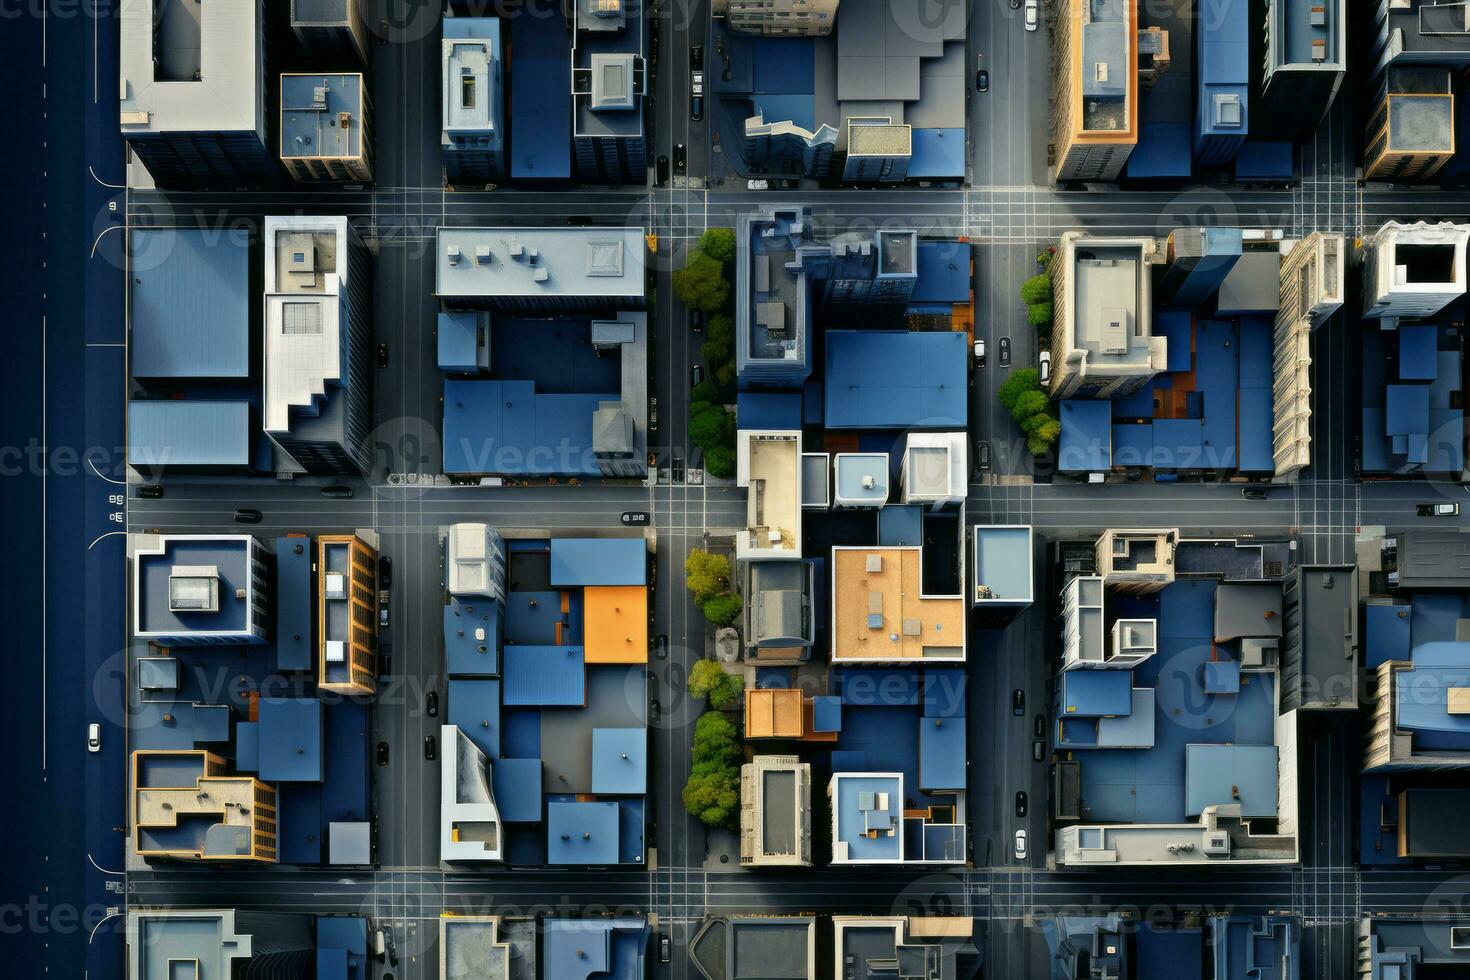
[(582, 833), (1086, 435), (620, 761), (290, 735), (172, 432), (870, 804), (191, 302), (581, 562), (230, 559), (581, 949), (894, 379), (544, 675)]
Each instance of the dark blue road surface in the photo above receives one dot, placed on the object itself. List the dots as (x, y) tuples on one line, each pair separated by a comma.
[(61, 583)]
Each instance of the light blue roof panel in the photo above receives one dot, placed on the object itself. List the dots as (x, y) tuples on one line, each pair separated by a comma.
[(581, 562), (620, 761), (894, 379), (1086, 443), (581, 833), (191, 302), (290, 735), (188, 433), (536, 676), (1244, 774)]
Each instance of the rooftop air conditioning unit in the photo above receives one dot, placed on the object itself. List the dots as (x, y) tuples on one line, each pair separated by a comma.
[(336, 585), (336, 651)]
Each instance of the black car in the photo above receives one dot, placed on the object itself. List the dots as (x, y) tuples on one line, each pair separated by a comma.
[(696, 320), (1018, 702), (431, 704), (1253, 493), (382, 355), (1005, 352), (382, 753), (247, 515), (1038, 727), (1021, 803), (661, 646), (681, 158), (150, 492), (385, 572), (982, 454), (385, 598), (696, 57), (655, 712), (665, 948), (337, 490), (982, 80), (635, 518), (677, 468), (431, 748), (696, 374), (661, 170)]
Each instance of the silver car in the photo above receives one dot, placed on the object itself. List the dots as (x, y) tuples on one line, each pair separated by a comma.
[(1033, 15)]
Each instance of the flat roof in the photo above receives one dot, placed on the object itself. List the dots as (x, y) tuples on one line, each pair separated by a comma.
[(197, 69), (1003, 562), (190, 303), (540, 262), (879, 612)]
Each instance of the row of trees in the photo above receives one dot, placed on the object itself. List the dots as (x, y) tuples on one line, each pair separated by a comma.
[(1029, 405), (704, 284), (707, 576), (712, 793)]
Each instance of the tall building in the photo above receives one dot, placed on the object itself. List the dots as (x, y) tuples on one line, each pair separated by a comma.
[(610, 77), (1302, 53), (781, 18), (773, 297), (1311, 291), (473, 96), (1102, 342), (347, 614), (318, 345), (333, 29), (1222, 114), (1413, 270), (325, 128), (1094, 115), (1419, 49), (776, 812), (193, 100)]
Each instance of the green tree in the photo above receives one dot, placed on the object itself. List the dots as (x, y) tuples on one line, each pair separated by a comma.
[(713, 796), (706, 574), (715, 739), (1032, 402), (722, 610), (706, 392), (1037, 289), (707, 679), (719, 462), (701, 284), (720, 328), (1018, 384), (710, 425), (1039, 314), (716, 353), (725, 376), (718, 244)]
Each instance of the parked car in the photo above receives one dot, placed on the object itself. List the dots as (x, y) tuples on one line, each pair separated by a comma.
[(382, 753), (1021, 803), (431, 704), (661, 170), (151, 491), (696, 374), (980, 353), (384, 602), (655, 712), (982, 454), (337, 490), (1033, 14), (1438, 510), (982, 81), (1005, 352), (1038, 727), (385, 572), (1020, 845), (1253, 493), (1038, 750), (247, 515), (635, 518), (665, 949), (661, 646), (696, 107), (677, 469), (431, 748), (1043, 366), (94, 737), (696, 320), (1018, 702), (696, 57), (757, 184), (382, 355), (681, 158)]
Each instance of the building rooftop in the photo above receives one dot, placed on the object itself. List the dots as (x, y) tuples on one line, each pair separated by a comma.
[(881, 612), (193, 69), (609, 74), (768, 464), (200, 589), (190, 304), (756, 948), (1002, 556), (604, 263)]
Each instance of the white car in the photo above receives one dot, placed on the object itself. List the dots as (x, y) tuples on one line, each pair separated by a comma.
[(1033, 14), (94, 737), (757, 185), (1043, 367), (980, 353), (1020, 845)]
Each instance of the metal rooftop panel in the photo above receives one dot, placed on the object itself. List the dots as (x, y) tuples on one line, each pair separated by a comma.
[(540, 262)]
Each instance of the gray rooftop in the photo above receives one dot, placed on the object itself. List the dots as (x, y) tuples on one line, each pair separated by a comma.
[(609, 72), (1110, 280), (196, 69), (537, 262), (1003, 562), (1305, 34), (1106, 39), (780, 604), (755, 948), (1433, 559)]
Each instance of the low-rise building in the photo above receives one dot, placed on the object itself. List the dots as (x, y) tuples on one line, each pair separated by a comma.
[(768, 465), (1095, 88), (326, 128), (881, 612), (780, 624), (200, 589), (775, 812), (1103, 344)]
